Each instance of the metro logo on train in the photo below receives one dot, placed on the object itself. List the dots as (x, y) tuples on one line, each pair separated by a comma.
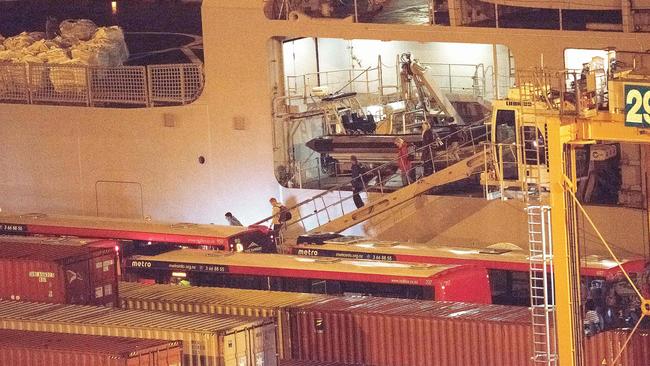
[(338, 254), (637, 106)]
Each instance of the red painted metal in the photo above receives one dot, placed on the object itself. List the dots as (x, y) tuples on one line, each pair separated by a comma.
[(451, 283), (22, 348), (220, 236), (409, 333), (314, 363), (70, 271), (603, 348), (396, 332)]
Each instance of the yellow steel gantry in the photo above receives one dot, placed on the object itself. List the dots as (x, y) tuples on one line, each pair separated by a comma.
[(564, 134)]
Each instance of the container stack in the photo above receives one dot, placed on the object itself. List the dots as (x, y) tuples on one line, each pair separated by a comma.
[(207, 340), (19, 348), (67, 271)]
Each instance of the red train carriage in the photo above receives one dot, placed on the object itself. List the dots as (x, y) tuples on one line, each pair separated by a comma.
[(507, 265), (312, 275), (139, 232)]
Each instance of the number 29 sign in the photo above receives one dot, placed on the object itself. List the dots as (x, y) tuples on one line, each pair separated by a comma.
[(637, 106)]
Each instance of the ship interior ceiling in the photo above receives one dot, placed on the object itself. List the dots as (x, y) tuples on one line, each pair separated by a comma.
[(497, 13)]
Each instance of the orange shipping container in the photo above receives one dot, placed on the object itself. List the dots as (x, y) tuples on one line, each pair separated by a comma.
[(394, 332), (603, 348), (52, 270), (21, 348), (314, 363)]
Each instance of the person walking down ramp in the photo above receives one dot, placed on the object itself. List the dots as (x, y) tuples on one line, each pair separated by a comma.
[(357, 170)]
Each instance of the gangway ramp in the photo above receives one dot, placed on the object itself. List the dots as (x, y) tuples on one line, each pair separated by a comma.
[(334, 211), (453, 173)]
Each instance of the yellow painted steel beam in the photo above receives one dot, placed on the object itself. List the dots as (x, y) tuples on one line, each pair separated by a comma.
[(558, 136), (608, 127), (562, 132)]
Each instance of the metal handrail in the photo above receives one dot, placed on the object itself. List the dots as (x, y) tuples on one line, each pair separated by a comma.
[(101, 86), (376, 172)]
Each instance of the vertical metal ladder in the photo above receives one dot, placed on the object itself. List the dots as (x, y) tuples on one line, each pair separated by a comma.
[(534, 87), (542, 295)]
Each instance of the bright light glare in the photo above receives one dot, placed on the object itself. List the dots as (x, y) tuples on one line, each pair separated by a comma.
[(462, 251), (179, 274), (608, 263), (380, 264), (114, 7), (304, 259), (462, 313), (365, 245)]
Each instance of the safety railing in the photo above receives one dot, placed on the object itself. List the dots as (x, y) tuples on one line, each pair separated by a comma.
[(345, 80), (502, 172), (149, 86), (467, 79), (569, 92), (458, 78), (326, 206)]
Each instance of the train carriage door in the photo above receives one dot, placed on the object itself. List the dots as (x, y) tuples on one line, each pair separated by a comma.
[(505, 147)]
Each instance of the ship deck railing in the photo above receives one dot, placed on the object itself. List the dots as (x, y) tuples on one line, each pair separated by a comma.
[(93, 86)]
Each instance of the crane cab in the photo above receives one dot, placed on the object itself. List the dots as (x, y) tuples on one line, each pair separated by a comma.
[(518, 144)]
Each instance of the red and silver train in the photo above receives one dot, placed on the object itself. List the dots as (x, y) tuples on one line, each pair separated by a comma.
[(139, 232), (312, 275), (507, 265)]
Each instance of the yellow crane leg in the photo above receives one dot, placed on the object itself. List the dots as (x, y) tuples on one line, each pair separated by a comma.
[(565, 309)]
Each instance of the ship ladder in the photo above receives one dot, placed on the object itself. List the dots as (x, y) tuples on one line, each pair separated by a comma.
[(542, 304), (533, 89)]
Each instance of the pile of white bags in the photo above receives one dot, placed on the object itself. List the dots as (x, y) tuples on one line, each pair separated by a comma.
[(81, 40), (105, 48), (81, 29), (81, 43)]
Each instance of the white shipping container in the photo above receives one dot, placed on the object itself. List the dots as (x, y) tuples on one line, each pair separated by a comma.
[(218, 301), (207, 340)]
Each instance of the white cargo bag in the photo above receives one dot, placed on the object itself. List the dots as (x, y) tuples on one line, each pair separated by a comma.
[(81, 29)]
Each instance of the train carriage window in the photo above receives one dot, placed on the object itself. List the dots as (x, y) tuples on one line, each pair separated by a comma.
[(506, 138), (318, 287), (509, 287)]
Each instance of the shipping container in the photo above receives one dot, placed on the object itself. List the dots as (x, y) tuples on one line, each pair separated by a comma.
[(21, 348), (218, 301), (603, 348), (58, 270), (207, 340), (314, 363), (394, 332)]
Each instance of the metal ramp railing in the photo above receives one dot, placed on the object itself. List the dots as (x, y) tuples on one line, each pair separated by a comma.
[(332, 211)]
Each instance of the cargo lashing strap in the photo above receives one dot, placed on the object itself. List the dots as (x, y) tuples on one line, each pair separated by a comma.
[(645, 303)]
